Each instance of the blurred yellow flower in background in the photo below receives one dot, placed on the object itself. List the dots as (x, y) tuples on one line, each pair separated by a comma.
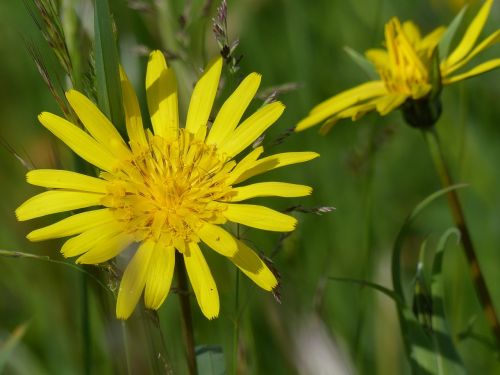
[(166, 190), (407, 71)]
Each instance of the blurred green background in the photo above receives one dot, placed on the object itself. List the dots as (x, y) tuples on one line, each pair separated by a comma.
[(373, 172)]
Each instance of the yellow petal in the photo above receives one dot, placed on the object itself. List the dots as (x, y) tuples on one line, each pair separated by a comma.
[(271, 162), (61, 179), (72, 225), (51, 202), (446, 70), (341, 102), (431, 40), (254, 267), (133, 117), (83, 242), (252, 128), (354, 112), (97, 124), (159, 277), (244, 164), (379, 57), (79, 141), (202, 281), (161, 91), (233, 109), (471, 34), (202, 99), (270, 189), (259, 217), (480, 69), (390, 102), (218, 239), (133, 280), (412, 32), (105, 250)]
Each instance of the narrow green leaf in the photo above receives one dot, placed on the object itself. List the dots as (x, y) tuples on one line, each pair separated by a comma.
[(210, 360), (9, 345), (435, 76), (398, 245), (449, 361), (420, 346), (382, 289), (447, 40), (20, 254), (109, 94), (366, 65)]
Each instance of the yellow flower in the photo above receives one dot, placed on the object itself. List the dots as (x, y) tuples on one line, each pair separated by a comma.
[(165, 190), (405, 70)]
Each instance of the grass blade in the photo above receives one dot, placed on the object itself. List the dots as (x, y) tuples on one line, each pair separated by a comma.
[(449, 361), (9, 345), (363, 63), (210, 360), (109, 96), (449, 36)]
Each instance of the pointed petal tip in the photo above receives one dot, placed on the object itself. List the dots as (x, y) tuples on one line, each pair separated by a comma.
[(43, 116), (83, 259), (211, 315), (303, 125), (121, 314), (32, 236), (71, 93), (155, 53), (18, 215)]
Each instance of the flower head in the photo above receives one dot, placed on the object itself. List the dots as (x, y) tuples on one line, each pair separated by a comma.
[(167, 190), (406, 69)]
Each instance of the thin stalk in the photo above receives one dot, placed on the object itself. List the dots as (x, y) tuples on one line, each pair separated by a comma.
[(236, 336), (367, 253), (126, 346), (187, 320), (86, 337), (436, 151)]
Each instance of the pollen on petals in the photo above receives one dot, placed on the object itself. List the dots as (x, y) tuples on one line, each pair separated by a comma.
[(167, 191)]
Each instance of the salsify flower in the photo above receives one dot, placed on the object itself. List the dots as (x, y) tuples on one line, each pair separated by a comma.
[(167, 190), (406, 68)]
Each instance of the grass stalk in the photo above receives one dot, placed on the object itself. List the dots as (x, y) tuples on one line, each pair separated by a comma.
[(484, 296), (236, 332), (128, 363), (187, 320), (86, 334)]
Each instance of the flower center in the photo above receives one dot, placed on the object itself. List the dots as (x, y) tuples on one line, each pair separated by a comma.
[(406, 71), (169, 189)]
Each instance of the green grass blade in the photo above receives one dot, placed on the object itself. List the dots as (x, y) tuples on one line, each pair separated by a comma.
[(363, 63), (9, 345), (398, 245), (20, 254), (109, 96), (449, 36), (449, 361), (210, 360), (420, 346)]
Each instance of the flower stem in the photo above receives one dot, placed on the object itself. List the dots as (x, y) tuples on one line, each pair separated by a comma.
[(86, 335), (236, 331), (436, 151), (187, 320)]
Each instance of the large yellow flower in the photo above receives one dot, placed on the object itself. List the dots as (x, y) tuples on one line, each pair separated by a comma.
[(165, 190), (405, 69)]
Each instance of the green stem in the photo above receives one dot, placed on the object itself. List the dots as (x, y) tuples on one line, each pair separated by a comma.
[(236, 323), (86, 338), (187, 320), (436, 151), (123, 324)]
